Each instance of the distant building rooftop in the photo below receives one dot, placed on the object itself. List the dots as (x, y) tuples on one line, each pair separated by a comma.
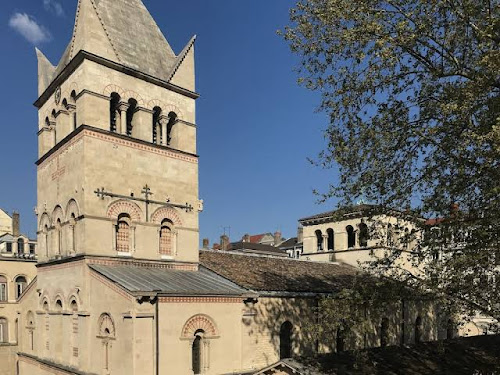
[(272, 274)]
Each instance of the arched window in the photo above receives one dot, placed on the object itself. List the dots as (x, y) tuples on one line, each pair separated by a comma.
[(114, 112), (59, 236), (123, 233), (4, 331), (72, 229), (20, 246), (340, 340), (20, 285), (3, 289), (418, 330), (172, 119), (196, 352), (45, 306), (73, 108), (384, 332), (166, 237), (132, 108), (450, 329), (73, 306), (319, 240), (46, 237), (106, 334), (157, 131), (363, 235), (59, 305), (286, 340), (331, 242), (390, 235), (30, 325), (351, 238)]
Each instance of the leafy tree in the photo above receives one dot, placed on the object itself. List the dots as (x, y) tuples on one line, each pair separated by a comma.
[(412, 89)]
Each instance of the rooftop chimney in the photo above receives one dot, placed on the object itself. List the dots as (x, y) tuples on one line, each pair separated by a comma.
[(15, 224), (300, 234), (246, 238), (224, 242), (206, 243), (277, 238)]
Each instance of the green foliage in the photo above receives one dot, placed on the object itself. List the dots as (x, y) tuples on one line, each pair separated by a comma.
[(412, 89)]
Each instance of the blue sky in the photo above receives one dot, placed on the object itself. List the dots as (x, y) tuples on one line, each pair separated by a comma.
[(256, 126)]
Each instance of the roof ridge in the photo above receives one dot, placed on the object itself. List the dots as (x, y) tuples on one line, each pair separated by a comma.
[(73, 36), (105, 30)]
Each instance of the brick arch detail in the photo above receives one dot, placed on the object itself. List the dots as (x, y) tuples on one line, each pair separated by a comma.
[(166, 108), (197, 322), (113, 88), (133, 95), (67, 92), (123, 206), (166, 213)]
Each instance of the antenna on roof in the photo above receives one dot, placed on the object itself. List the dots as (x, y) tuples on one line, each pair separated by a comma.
[(228, 229)]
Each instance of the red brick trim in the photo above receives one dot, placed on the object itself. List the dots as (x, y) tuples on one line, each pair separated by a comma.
[(200, 299), (138, 146), (123, 206), (114, 262), (166, 213), (197, 322)]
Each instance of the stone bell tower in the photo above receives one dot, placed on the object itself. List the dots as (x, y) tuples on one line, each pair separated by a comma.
[(118, 170)]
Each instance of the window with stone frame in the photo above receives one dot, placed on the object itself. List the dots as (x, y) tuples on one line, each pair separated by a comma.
[(172, 119), (351, 236), (4, 332), (30, 326), (32, 248), (157, 130), (363, 235), (123, 234), (166, 237), (107, 335), (21, 284), (319, 240), (114, 112), (3, 289), (20, 246), (59, 236), (8, 247)]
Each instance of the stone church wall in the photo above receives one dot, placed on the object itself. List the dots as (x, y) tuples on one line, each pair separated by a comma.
[(8, 359)]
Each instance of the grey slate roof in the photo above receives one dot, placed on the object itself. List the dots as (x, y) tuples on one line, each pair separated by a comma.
[(168, 281), (136, 38)]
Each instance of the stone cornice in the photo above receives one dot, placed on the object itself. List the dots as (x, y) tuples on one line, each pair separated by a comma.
[(107, 260), (84, 55), (86, 130)]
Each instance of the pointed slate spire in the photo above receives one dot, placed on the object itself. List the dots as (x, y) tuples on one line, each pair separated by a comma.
[(45, 71), (122, 31)]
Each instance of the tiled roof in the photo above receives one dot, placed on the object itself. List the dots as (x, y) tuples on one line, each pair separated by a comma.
[(258, 237), (168, 281), (290, 243), (278, 274), (257, 247)]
